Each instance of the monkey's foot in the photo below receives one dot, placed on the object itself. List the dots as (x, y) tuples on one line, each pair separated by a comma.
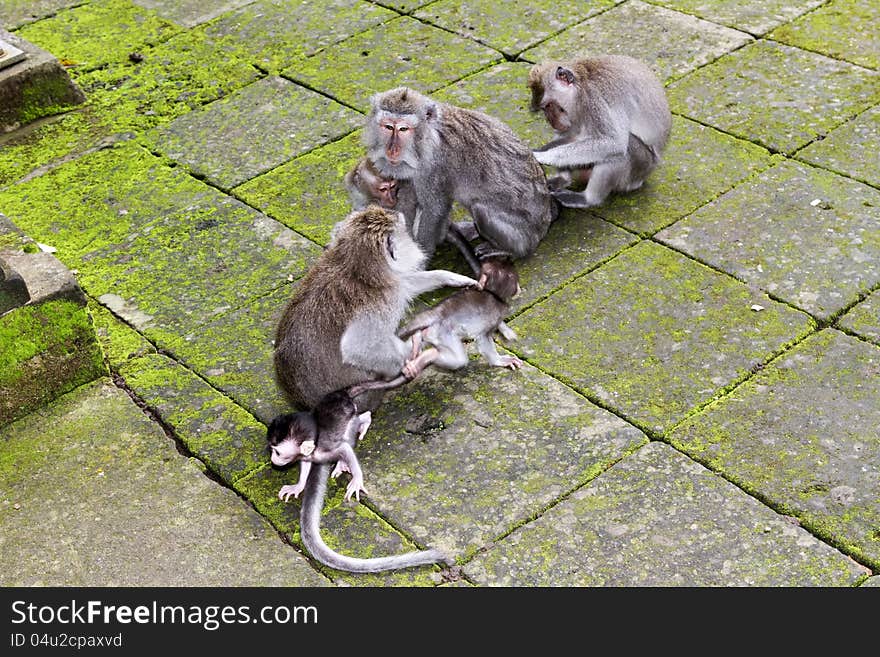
[(412, 368), (291, 490), (512, 362), (341, 466), (355, 488), (506, 332), (570, 199)]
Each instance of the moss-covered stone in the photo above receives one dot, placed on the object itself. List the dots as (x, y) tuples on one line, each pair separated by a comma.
[(804, 235), (119, 341), (754, 16), (658, 519), (698, 165), (457, 459), (92, 493), (671, 43), (190, 13), (15, 13), (218, 432), (252, 131), (843, 29), (864, 318), (273, 34), (165, 81), (850, 149), (348, 527), (653, 335), (99, 33), (46, 349), (307, 193), (761, 93), (509, 27), (164, 251), (804, 435), (402, 51)]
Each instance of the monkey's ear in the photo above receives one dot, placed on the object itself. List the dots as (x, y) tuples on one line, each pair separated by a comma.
[(432, 111), (565, 75)]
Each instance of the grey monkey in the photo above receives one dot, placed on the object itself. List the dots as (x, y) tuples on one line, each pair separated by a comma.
[(467, 314), (339, 327), (330, 431), (612, 122), (455, 154)]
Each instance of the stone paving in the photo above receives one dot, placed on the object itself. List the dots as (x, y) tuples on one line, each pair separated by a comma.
[(701, 400)]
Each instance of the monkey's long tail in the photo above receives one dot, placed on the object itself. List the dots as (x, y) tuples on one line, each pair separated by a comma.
[(310, 530)]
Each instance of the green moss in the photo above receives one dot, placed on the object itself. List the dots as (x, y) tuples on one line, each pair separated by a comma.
[(119, 341), (46, 349)]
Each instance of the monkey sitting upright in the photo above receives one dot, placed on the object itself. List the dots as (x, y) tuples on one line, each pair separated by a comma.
[(468, 314), (612, 122), (340, 326)]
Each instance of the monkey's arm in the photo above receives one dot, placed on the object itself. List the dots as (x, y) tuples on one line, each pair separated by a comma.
[(582, 152), (297, 488), (425, 281)]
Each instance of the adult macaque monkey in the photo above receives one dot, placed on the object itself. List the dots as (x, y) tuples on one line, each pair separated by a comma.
[(340, 326), (329, 432), (612, 122), (455, 154)]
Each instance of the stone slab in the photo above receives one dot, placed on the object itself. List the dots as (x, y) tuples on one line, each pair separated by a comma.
[(163, 251), (106, 489), (385, 56), (97, 34), (669, 42), (307, 193), (214, 429), (864, 319), (501, 91), (850, 149), (656, 518), (699, 164), (459, 459), (509, 27), (119, 341), (761, 93), (252, 131), (234, 353), (15, 13), (172, 78), (654, 335), (804, 435), (753, 16), (806, 236), (273, 34), (34, 86), (348, 527), (843, 29), (190, 13)]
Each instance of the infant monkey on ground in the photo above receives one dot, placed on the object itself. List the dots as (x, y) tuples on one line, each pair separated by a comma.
[(473, 313)]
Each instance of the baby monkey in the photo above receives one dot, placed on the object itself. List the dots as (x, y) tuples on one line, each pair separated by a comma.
[(471, 314), (326, 434)]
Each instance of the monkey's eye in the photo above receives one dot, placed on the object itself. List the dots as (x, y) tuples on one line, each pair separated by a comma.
[(389, 127), (403, 128)]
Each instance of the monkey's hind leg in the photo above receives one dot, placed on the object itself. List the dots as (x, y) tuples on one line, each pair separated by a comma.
[(486, 346)]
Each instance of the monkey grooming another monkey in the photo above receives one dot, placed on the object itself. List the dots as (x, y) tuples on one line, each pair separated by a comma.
[(456, 154), (612, 122), (467, 314), (332, 428), (340, 326)]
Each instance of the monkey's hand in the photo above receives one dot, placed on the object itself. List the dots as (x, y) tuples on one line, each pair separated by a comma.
[(291, 490), (355, 488), (341, 466), (570, 199)]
